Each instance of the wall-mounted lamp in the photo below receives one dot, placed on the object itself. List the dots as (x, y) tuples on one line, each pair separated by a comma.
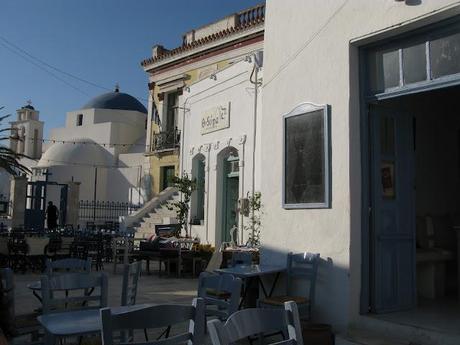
[(213, 76)]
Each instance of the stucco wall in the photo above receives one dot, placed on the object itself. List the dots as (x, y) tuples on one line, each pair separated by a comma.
[(308, 57), (232, 86)]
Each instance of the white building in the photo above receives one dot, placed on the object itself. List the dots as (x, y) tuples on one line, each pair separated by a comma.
[(27, 132), (101, 146), (219, 145), (349, 178), (26, 138)]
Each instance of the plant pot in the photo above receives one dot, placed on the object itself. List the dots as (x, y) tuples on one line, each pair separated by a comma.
[(317, 334)]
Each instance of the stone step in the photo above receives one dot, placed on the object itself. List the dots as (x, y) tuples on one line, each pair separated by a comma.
[(158, 216)]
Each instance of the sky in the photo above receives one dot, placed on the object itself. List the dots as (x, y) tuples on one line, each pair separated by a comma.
[(101, 41)]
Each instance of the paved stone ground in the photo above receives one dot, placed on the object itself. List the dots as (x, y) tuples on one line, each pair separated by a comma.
[(152, 289)]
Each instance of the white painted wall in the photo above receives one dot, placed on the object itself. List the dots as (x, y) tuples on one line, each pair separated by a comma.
[(118, 168), (309, 57), (231, 86), (4, 185)]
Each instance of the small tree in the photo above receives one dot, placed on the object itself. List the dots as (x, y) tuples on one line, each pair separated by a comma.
[(186, 186), (9, 160), (255, 214)]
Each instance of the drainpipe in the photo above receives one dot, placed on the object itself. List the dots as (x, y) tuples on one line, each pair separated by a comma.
[(208, 170), (241, 163), (256, 91)]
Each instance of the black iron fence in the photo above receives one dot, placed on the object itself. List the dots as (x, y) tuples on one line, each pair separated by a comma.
[(168, 140), (102, 211)]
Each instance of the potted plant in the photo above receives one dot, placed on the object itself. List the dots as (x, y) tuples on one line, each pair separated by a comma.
[(254, 225), (186, 186)]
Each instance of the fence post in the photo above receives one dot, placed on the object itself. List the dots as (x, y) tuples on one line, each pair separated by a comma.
[(73, 204)]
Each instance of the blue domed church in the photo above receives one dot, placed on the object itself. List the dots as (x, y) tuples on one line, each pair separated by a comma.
[(101, 146)]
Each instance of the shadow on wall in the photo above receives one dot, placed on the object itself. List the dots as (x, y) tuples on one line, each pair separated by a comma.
[(147, 187), (331, 304)]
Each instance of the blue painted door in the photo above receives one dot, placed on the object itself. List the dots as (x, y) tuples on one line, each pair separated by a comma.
[(393, 211)]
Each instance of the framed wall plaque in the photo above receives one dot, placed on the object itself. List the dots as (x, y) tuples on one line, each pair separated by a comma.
[(306, 158)]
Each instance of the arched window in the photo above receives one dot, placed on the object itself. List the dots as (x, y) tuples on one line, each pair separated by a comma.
[(198, 173)]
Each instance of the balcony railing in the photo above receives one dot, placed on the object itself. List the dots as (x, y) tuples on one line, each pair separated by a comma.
[(253, 14), (164, 141)]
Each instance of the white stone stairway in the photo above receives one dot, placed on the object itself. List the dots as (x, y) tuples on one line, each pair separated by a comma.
[(159, 215)]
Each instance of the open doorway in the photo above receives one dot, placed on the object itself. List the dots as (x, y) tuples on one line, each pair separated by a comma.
[(415, 201)]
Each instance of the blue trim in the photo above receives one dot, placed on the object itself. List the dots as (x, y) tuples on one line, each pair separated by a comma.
[(429, 85), (365, 298), (425, 34)]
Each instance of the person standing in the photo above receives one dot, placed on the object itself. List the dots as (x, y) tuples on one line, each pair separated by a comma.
[(52, 214)]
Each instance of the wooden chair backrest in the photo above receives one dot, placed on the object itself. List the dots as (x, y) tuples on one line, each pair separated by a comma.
[(69, 265), (155, 317), (4, 246), (74, 291), (7, 307), (255, 321), (220, 283), (302, 266), (131, 274)]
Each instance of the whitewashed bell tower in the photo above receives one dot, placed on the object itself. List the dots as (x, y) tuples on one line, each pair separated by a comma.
[(27, 132)]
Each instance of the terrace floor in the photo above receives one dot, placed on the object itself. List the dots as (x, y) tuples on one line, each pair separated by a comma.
[(151, 289)]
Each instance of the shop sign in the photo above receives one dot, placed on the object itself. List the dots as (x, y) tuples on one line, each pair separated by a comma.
[(215, 119)]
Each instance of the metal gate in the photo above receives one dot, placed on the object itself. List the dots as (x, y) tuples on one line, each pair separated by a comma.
[(36, 203), (34, 216)]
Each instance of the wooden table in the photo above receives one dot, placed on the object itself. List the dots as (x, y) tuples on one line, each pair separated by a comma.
[(77, 323), (254, 273)]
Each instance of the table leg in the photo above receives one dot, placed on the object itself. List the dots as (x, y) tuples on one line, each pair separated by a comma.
[(262, 286), (37, 296), (274, 284), (247, 284)]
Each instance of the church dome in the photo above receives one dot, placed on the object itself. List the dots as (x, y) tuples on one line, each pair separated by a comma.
[(76, 152), (116, 100)]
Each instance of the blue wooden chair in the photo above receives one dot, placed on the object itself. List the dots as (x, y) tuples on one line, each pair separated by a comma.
[(73, 291), (15, 325), (257, 322), (221, 294), (153, 317), (131, 275), (70, 265), (303, 267)]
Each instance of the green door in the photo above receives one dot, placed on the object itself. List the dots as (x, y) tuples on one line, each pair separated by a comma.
[(200, 183), (230, 204), (166, 176)]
